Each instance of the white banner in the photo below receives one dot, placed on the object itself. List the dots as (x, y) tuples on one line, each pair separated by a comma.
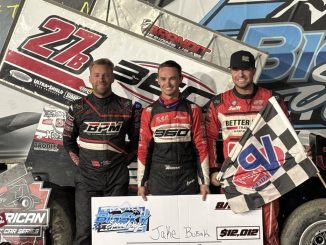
[(172, 220)]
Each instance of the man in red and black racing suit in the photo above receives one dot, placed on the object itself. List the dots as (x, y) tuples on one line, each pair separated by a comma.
[(101, 121), (232, 112), (172, 152)]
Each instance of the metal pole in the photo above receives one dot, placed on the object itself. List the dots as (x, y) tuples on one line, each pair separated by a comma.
[(150, 27), (321, 179), (108, 10), (209, 44), (158, 3)]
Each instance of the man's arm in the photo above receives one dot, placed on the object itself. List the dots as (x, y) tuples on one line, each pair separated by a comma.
[(133, 131), (200, 142), (144, 152), (70, 135), (213, 126)]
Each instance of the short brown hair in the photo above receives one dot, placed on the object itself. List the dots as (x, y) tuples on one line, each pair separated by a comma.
[(102, 61), (171, 63)]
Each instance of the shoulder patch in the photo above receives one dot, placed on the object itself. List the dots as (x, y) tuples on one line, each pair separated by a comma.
[(79, 104), (148, 109), (124, 102), (217, 99), (137, 106)]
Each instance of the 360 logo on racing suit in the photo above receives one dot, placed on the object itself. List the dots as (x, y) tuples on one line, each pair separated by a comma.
[(257, 166), (122, 219), (172, 132)]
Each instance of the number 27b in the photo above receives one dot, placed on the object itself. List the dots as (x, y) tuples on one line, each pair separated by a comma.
[(63, 44)]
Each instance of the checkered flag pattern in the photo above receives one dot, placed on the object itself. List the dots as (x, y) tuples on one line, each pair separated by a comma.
[(266, 163)]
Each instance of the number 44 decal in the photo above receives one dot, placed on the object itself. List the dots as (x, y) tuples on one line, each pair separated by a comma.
[(63, 44)]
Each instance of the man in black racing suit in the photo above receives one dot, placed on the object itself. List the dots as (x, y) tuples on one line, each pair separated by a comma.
[(101, 121)]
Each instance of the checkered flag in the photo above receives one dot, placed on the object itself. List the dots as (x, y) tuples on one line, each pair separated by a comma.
[(266, 163)]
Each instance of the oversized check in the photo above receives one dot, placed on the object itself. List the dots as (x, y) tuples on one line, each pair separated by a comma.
[(172, 220)]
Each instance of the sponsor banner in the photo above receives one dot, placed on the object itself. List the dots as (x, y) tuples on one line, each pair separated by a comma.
[(172, 220), (24, 215), (174, 31), (49, 53)]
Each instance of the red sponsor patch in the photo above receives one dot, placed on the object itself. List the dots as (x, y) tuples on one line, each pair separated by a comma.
[(95, 163), (47, 121)]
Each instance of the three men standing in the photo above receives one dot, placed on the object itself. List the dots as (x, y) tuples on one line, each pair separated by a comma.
[(174, 156)]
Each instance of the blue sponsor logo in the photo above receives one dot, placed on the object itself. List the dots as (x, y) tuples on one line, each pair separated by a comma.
[(251, 158), (121, 219), (223, 19)]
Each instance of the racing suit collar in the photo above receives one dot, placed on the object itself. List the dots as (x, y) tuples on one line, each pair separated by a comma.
[(245, 96), (105, 100), (170, 103)]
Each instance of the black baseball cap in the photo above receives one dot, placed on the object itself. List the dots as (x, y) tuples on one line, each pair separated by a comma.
[(242, 59)]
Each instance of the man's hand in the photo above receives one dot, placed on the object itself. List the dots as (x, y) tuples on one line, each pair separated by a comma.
[(142, 191), (307, 150), (74, 157), (204, 190), (214, 180)]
